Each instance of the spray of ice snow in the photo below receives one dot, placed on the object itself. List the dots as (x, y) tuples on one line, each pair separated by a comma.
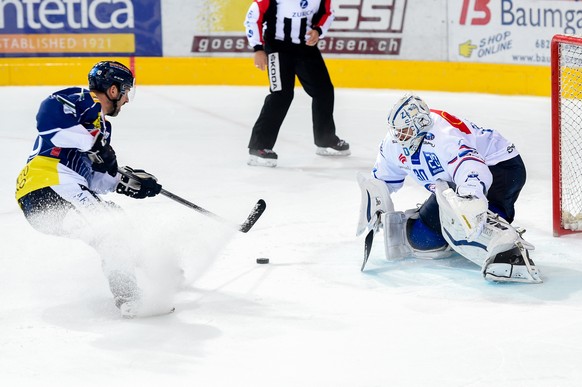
[(164, 248)]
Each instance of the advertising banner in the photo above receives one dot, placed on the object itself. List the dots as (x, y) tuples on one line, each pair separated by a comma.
[(361, 28), (473, 31), (509, 31), (366, 27), (80, 28), (219, 28)]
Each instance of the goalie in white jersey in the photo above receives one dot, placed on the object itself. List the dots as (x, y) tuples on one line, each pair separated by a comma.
[(475, 176)]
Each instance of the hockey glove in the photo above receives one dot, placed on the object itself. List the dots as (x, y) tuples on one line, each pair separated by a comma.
[(137, 183), (103, 156)]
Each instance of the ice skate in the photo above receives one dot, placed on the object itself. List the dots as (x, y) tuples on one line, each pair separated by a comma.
[(342, 148), (137, 309), (262, 158)]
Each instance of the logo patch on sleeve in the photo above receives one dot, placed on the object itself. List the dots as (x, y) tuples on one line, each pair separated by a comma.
[(433, 162)]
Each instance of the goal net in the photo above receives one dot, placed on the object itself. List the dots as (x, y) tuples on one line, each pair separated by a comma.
[(566, 133)]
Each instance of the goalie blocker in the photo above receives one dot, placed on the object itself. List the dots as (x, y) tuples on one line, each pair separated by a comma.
[(467, 227)]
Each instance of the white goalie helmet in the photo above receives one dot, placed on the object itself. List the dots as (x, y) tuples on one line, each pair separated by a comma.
[(409, 120)]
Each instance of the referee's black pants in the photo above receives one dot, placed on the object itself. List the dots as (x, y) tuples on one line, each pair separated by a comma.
[(285, 61)]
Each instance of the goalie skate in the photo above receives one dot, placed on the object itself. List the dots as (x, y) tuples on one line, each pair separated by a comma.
[(513, 265)]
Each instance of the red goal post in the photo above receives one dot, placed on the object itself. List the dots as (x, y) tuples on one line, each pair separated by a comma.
[(566, 53)]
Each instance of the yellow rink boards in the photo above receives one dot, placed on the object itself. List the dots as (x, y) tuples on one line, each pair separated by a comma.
[(352, 73)]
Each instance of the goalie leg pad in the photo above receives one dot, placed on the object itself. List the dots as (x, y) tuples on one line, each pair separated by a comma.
[(495, 238), (454, 231), (499, 249), (395, 243)]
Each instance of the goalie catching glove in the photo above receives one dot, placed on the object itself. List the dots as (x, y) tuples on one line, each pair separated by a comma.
[(137, 183)]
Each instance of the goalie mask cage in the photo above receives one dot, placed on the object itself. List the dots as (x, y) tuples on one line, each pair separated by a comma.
[(566, 134)]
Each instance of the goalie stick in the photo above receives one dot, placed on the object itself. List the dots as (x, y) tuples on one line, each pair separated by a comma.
[(244, 227), (369, 239)]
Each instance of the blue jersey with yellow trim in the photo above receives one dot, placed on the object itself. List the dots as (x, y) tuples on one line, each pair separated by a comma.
[(67, 122)]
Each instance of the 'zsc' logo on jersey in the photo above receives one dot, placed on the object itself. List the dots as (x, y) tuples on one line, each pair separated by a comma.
[(433, 162)]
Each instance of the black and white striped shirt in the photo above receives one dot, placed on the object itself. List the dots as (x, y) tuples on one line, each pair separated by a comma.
[(286, 20)]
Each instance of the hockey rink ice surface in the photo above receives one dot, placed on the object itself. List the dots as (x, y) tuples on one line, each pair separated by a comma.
[(309, 317)]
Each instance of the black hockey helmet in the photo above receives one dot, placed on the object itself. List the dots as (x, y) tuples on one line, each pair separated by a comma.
[(107, 73)]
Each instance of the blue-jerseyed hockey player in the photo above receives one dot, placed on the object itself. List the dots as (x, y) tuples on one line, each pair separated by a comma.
[(73, 162)]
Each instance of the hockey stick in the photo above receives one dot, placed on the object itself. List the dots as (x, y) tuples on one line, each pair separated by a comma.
[(244, 227), (369, 239)]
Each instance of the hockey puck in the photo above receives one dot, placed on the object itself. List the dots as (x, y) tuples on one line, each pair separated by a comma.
[(262, 261)]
